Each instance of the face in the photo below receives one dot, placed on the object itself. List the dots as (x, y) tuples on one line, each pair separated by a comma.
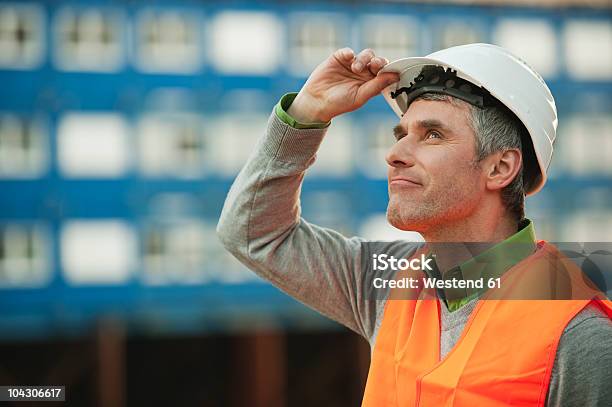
[(433, 177)]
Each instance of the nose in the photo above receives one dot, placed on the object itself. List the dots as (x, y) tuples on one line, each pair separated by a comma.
[(400, 155)]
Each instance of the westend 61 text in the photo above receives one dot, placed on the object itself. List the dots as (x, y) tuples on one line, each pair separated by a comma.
[(383, 262), (431, 282)]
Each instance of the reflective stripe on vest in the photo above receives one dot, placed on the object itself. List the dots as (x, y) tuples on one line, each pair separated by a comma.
[(506, 351)]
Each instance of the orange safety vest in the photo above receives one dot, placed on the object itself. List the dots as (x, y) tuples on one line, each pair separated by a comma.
[(507, 349)]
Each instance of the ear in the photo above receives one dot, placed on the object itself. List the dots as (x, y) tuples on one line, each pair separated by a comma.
[(501, 168)]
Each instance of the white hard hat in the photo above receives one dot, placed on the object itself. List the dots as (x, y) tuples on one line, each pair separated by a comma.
[(502, 75)]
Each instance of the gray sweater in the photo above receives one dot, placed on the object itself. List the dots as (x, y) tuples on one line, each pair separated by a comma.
[(261, 226)]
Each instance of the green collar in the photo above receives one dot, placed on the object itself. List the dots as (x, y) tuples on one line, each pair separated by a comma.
[(491, 263)]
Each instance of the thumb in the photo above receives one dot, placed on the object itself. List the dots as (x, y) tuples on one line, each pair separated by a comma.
[(375, 85)]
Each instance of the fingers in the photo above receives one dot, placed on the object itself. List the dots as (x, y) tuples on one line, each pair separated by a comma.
[(374, 86), (366, 61), (376, 64), (345, 54), (362, 60)]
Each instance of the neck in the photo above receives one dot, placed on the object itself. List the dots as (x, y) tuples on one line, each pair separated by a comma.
[(457, 241)]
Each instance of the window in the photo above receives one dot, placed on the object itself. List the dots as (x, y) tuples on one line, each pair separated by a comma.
[(232, 138), (330, 209), (181, 247), (588, 49), (24, 256), (172, 145), (177, 252), (392, 37), (98, 251), (592, 225), (584, 151), (245, 43), (168, 41), (24, 150), (377, 140), (448, 34), (21, 36), (314, 37), (335, 156), (531, 40), (89, 39), (93, 145)]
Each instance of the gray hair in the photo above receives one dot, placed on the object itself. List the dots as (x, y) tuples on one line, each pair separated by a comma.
[(495, 129)]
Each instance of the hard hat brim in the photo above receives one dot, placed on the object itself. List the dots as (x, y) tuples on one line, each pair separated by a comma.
[(408, 69)]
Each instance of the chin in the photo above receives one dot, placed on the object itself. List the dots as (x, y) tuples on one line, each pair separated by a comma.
[(405, 221)]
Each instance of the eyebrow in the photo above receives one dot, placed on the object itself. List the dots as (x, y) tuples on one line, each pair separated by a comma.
[(398, 131), (424, 124)]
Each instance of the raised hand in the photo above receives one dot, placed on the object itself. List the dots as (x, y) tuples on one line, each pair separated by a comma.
[(342, 83)]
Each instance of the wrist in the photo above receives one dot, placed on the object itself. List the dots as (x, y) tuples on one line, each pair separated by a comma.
[(305, 110)]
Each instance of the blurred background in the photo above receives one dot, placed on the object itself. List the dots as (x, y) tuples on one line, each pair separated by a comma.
[(122, 126)]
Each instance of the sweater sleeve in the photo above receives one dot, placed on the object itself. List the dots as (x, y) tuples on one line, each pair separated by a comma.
[(582, 371), (260, 225)]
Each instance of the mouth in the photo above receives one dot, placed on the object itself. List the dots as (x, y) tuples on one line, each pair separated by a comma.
[(404, 182)]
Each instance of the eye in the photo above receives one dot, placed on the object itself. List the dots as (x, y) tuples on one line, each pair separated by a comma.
[(433, 134)]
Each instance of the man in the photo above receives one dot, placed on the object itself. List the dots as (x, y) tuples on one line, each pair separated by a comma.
[(475, 136)]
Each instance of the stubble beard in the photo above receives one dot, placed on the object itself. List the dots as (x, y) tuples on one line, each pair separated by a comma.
[(420, 211)]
